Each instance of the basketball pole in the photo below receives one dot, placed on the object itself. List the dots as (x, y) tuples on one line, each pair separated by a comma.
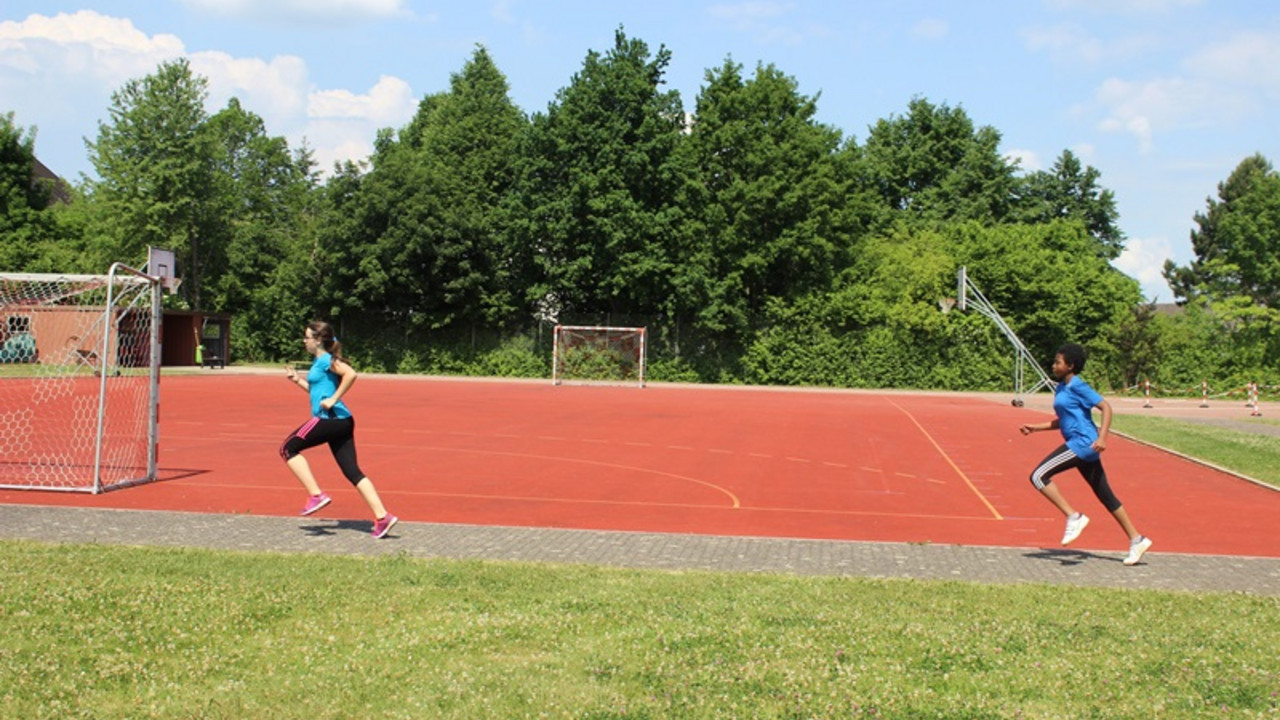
[(971, 296)]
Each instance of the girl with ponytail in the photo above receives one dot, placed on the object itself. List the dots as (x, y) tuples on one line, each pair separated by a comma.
[(328, 380)]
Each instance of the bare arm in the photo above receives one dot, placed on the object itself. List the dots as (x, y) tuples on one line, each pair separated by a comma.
[(1037, 427), (296, 379), (347, 377), (1101, 443)]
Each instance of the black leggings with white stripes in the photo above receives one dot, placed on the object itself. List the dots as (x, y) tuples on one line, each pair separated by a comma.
[(1091, 470)]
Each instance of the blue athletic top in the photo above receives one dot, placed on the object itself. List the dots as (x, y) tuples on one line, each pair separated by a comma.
[(1073, 402), (323, 383)]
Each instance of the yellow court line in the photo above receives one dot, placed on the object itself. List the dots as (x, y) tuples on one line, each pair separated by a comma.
[(950, 462), (626, 503), (733, 499)]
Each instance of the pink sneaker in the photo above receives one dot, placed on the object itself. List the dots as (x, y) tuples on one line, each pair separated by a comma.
[(315, 502), (383, 526)]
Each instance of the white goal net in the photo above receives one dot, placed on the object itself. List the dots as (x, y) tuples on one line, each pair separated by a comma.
[(598, 354), (79, 380)]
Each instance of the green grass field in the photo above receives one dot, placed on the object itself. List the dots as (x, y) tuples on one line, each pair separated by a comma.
[(1256, 455), (112, 632), (117, 632)]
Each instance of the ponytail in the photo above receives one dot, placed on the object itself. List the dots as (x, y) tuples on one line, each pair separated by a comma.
[(324, 332)]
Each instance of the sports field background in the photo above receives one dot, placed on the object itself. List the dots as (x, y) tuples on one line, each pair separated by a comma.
[(821, 464)]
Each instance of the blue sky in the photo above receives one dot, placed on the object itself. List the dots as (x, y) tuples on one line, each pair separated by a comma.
[(1163, 97)]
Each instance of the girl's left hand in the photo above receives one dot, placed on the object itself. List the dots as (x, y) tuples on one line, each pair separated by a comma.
[(327, 403)]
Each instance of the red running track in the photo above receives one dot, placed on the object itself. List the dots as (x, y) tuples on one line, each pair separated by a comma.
[(889, 467)]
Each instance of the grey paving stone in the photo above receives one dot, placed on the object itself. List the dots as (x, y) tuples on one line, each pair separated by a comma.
[(1189, 573)]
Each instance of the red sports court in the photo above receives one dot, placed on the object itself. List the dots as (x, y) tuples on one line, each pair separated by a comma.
[(821, 464)]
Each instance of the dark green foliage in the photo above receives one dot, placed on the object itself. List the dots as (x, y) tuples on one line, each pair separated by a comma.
[(31, 236), (754, 243), (1071, 192), (595, 220), (1237, 241)]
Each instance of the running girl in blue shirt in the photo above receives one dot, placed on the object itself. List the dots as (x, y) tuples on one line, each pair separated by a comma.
[(1073, 403), (328, 380)]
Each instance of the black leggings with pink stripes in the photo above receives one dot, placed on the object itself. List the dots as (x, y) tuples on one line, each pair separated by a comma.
[(339, 434)]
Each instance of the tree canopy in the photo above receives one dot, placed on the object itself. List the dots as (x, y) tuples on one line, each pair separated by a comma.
[(758, 244)]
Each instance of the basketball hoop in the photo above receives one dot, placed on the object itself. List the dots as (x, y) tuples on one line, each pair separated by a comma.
[(160, 264), (945, 305)]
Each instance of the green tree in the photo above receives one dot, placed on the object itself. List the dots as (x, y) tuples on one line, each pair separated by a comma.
[(1047, 281), (24, 224), (256, 232), (1237, 240), (153, 161), (774, 212), (1070, 191), (39, 224), (596, 213), (417, 246), (933, 164), (467, 143)]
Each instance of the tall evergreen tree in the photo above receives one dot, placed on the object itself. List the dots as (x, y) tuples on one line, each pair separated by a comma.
[(596, 215), (469, 143), (774, 220), (153, 161), (255, 231), (1236, 241), (418, 245), (1070, 191), (24, 224), (933, 164)]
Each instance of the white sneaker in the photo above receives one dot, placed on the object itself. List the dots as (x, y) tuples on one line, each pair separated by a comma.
[(1075, 526), (1137, 549)]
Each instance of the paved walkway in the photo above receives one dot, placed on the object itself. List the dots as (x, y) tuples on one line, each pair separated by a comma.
[(1192, 573)]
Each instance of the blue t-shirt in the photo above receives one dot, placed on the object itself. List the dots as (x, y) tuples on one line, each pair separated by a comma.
[(323, 382), (1073, 402)]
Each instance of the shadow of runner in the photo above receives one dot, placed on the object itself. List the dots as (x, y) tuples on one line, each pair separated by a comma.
[(1068, 557), (364, 527)]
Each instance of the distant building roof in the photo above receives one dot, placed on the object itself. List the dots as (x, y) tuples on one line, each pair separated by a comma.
[(60, 193)]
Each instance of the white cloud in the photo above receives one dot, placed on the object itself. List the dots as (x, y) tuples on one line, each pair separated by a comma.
[(1248, 59), (1072, 46), (762, 19), (1065, 44), (1143, 259), (501, 11), (749, 12), (1121, 6), (275, 89), (1028, 160), (391, 100), (931, 29), (1227, 83), (57, 66), (301, 10), (81, 45)]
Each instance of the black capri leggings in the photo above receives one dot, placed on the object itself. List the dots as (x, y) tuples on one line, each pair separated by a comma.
[(341, 436), (1091, 470)]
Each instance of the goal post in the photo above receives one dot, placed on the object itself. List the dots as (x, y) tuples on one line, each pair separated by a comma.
[(595, 353), (79, 380)]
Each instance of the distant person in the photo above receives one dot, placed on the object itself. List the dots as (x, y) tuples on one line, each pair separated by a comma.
[(1073, 403), (328, 380)]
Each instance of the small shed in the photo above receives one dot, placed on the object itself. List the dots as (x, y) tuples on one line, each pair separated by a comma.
[(194, 337)]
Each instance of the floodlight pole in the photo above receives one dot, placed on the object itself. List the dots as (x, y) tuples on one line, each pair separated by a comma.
[(970, 295)]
